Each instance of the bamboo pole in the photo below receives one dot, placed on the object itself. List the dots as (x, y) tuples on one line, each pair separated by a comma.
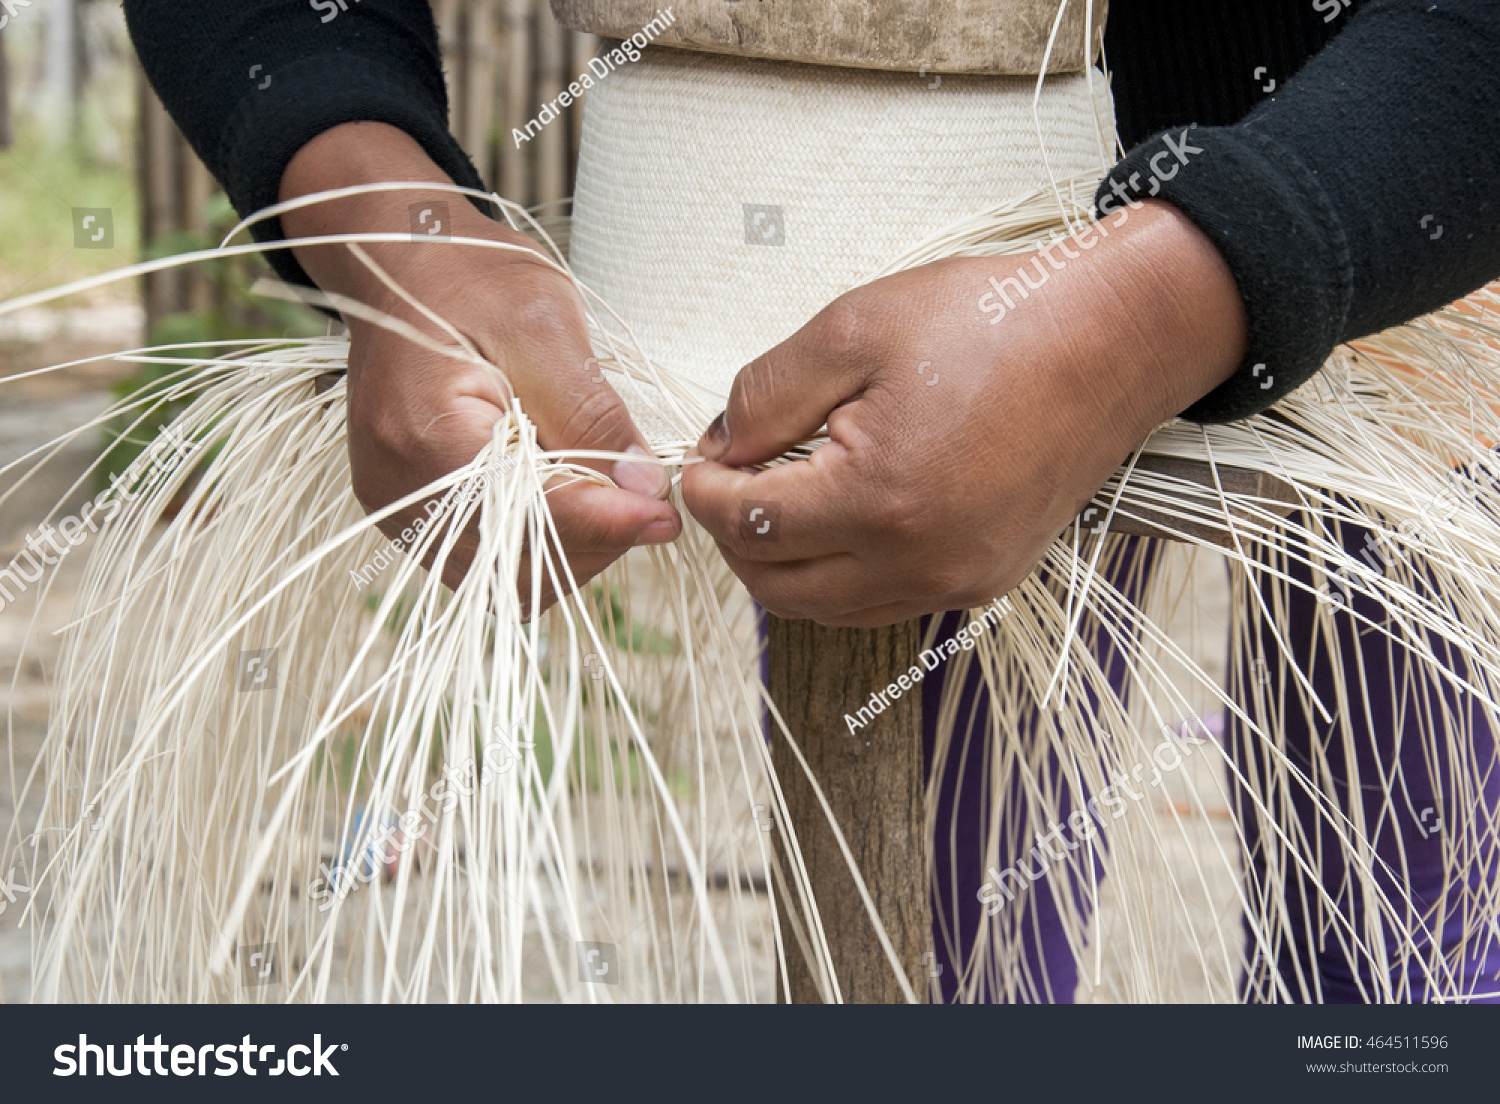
[(585, 46), (515, 177), (448, 16), (158, 197), (479, 87), (197, 186), (875, 783), (552, 143), (5, 131)]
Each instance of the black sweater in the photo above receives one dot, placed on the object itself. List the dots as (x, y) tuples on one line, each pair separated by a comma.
[(1356, 194)]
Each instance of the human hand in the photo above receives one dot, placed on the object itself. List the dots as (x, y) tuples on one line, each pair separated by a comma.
[(959, 449), (414, 415)]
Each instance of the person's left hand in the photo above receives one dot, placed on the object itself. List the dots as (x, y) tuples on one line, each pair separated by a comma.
[(959, 449)]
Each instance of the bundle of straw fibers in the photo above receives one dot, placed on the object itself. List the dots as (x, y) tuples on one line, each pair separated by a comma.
[(270, 730)]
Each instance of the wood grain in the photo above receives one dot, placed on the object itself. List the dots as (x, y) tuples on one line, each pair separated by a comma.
[(994, 37), (874, 781), (1199, 514)]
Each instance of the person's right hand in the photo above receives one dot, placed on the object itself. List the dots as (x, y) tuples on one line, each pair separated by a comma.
[(415, 415)]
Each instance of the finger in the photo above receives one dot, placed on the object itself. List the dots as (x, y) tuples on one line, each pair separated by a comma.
[(829, 586), (797, 511), (548, 358), (784, 396), (608, 514), (876, 617), (595, 526), (599, 524)]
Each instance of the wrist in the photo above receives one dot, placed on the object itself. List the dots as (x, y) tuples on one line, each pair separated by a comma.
[(1179, 303), (357, 153)]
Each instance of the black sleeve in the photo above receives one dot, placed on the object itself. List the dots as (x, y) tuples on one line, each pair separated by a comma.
[(1362, 195), (250, 82)]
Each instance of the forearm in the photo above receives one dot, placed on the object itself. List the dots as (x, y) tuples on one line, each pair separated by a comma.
[(359, 153), (1327, 200), (1160, 322), (252, 82)]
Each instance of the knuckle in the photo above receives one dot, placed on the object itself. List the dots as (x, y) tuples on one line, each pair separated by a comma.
[(738, 535), (778, 601), (732, 542), (752, 395), (901, 517), (603, 539), (947, 579), (539, 306), (750, 392), (842, 329), (366, 490), (599, 420), (591, 539), (374, 439)]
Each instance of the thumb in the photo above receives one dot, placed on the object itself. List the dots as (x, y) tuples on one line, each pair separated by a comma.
[(576, 409), (785, 395), (590, 415)]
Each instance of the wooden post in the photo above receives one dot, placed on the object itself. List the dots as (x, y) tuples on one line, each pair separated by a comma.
[(874, 781)]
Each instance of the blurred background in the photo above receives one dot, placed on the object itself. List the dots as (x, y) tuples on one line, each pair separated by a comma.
[(94, 176), (81, 130)]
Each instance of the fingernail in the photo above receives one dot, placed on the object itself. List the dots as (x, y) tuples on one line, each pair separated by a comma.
[(715, 442), (647, 478), (658, 532)]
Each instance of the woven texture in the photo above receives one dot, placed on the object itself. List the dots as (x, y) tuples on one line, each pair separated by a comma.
[(721, 202)]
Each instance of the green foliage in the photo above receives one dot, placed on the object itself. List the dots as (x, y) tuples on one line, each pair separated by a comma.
[(401, 610), (636, 637), (42, 184), (235, 315)]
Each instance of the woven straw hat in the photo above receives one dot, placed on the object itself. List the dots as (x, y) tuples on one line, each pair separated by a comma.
[(721, 202)]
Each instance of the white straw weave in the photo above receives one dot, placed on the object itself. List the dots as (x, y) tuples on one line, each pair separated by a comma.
[(861, 166)]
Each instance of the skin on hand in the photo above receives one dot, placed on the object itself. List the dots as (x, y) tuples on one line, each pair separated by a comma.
[(960, 448), (415, 415)]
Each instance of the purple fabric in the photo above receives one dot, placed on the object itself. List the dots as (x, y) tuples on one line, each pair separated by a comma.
[(1409, 830), (1309, 959), (1048, 973)]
